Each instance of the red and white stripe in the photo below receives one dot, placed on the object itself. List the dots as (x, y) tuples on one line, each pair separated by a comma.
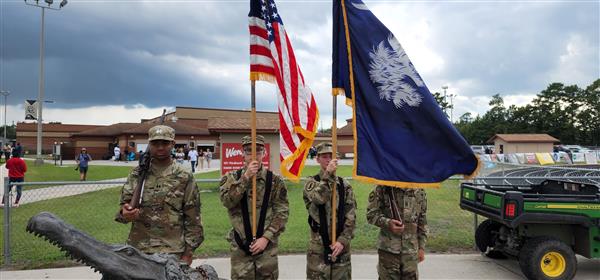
[(298, 112)]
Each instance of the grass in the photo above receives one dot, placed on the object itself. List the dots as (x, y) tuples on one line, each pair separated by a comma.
[(450, 228), (52, 173)]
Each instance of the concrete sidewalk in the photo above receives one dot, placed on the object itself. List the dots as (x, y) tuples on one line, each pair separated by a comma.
[(436, 266)]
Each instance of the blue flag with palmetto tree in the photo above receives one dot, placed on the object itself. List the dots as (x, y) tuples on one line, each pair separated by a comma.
[(401, 136)]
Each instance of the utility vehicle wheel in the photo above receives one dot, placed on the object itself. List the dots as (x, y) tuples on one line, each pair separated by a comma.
[(485, 239), (547, 258)]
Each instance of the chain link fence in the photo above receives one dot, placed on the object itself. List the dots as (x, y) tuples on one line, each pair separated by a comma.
[(91, 207)]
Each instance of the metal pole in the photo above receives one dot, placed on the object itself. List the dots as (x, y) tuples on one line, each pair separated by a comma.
[(40, 100), (5, 97), (452, 108), (6, 199), (333, 186), (444, 88), (6, 93), (253, 145)]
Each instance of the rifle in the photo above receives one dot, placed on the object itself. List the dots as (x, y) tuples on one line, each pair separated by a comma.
[(144, 166), (393, 204)]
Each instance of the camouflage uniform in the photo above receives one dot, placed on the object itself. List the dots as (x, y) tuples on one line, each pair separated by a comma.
[(319, 193), (398, 254), (169, 219), (232, 188)]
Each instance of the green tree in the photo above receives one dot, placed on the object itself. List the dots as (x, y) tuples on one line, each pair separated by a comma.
[(11, 131), (588, 116), (439, 98)]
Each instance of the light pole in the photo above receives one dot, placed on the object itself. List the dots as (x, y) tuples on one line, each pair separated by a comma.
[(452, 107), (40, 100), (445, 88), (5, 93)]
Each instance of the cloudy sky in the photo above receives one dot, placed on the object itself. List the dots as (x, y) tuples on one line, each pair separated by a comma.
[(111, 61)]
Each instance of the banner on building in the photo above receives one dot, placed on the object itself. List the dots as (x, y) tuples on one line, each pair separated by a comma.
[(31, 109), (544, 158), (578, 158), (500, 158), (512, 158), (232, 157), (590, 157), (530, 158)]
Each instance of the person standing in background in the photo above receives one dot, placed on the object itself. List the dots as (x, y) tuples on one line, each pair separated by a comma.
[(208, 156), (193, 156), (82, 161), (16, 173), (117, 152), (201, 156)]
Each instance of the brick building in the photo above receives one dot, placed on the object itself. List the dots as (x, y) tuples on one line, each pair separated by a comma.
[(203, 128), (52, 133)]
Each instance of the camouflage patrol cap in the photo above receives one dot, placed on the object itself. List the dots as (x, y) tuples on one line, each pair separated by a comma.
[(161, 132), (324, 148), (247, 140)]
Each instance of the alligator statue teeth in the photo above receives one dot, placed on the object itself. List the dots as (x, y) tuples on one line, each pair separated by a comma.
[(113, 261)]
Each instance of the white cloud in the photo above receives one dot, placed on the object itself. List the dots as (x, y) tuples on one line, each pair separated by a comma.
[(100, 115), (574, 65), (411, 25), (479, 105), (518, 100)]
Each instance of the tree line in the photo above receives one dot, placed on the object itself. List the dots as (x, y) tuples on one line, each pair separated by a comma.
[(568, 113)]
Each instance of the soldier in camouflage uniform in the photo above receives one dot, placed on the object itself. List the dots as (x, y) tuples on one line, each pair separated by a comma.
[(401, 216), (326, 260), (168, 218), (254, 259)]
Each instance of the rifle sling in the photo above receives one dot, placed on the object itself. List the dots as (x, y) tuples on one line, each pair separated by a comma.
[(246, 215), (322, 227)]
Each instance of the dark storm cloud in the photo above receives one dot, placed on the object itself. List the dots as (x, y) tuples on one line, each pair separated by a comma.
[(196, 53), (99, 55), (510, 47)]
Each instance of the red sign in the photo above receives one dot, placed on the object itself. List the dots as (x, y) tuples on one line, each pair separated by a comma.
[(232, 157)]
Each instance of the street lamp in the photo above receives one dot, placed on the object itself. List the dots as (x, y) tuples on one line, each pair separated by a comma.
[(445, 88), (39, 160), (452, 107), (5, 93)]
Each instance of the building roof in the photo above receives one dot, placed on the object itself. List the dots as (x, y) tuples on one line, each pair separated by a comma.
[(55, 127), (180, 129), (226, 110), (111, 130), (200, 113), (347, 129), (243, 124), (524, 138)]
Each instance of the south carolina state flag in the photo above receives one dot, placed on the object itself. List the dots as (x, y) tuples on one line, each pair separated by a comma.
[(401, 136)]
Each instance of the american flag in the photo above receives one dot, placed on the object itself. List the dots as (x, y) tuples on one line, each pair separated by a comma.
[(272, 59)]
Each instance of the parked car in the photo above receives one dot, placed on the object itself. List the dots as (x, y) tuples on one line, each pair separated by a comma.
[(478, 149), (576, 148)]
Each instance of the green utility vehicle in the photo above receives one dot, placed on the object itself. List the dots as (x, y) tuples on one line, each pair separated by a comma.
[(543, 225)]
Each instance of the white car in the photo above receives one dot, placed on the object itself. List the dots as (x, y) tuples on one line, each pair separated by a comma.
[(576, 149), (478, 149)]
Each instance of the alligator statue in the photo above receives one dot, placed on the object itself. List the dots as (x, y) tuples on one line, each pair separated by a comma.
[(113, 261)]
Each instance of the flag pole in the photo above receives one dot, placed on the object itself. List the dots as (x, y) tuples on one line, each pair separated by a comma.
[(333, 186), (253, 135)]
